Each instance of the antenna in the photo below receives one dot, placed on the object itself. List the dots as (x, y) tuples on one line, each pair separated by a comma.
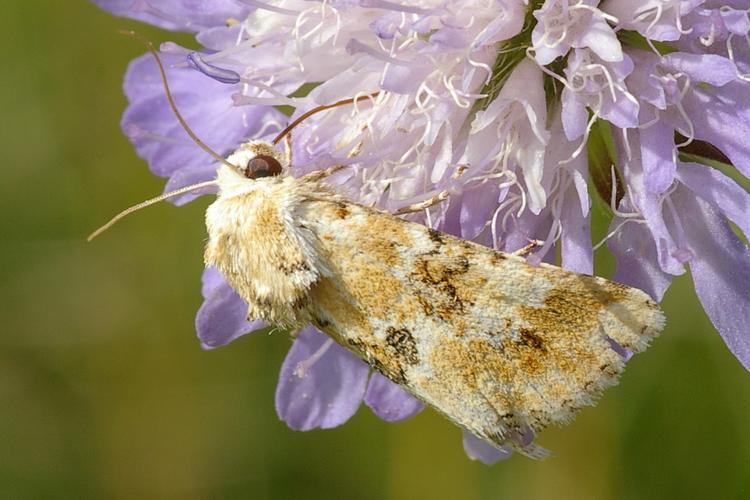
[(188, 130), (194, 137), (147, 203), (136, 36), (313, 111)]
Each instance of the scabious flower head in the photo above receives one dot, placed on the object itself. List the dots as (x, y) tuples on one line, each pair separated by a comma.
[(519, 91)]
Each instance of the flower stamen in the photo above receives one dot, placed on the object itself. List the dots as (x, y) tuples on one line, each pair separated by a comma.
[(303, 367), (730, 52)]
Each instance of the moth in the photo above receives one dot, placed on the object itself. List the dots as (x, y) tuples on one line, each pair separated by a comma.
[(499, 347)]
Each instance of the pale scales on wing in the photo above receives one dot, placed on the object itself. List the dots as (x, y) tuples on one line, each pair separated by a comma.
[(496, 345)]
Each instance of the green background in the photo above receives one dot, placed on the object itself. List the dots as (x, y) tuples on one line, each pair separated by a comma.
[(105, 392)]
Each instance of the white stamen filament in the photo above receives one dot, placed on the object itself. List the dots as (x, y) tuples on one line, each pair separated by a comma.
[(268, 126), (510, 203), (730, 52), (613, 199), (304, 366), (594, 116), (709, 40), (616, 230)]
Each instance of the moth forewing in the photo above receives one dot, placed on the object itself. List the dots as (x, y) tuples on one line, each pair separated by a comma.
[(499, 347)]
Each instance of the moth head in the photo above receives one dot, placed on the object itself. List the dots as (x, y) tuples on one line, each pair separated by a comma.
[(257, 159)]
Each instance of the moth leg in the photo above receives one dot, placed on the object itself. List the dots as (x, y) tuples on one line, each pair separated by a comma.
[(534, 451), (288, 147), (440, 197), (528, 248), (418, 207), (322, 174)]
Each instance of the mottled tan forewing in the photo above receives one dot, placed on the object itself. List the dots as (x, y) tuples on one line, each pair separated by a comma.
[(498, 346)]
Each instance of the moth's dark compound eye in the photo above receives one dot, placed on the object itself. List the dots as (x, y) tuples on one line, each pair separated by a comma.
[(262, 166)]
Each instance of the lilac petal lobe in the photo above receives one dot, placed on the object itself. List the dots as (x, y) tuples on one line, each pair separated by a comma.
[(321, 384), (657, 147), (718, 190), (211, 280), (637, 260), (576, 250), (707, 68), (622, 113), (223, 315), (476, 208), (178, 15), (649, 205), (722, 120), (602, 41), (389, 401), (721, 272), (574, 116), (478, 449)]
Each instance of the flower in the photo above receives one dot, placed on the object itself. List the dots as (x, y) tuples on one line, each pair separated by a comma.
[(640, 99)]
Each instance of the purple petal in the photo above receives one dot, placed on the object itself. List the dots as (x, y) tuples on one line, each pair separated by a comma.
[(648, 203), (478, 449), (707, 68), (721, 272), (662, 27), (477, 206), (622, 113), (721, 117), (219, 38), (177, 15), (657, 147), (718, 190), (502, 27), (389, 401), (223, 315), (206, 105), (575, 241), (736, 21), (574, 115), (386, 26), (637, 262), (405, 79), (641, 81), (601, 39), (451, 38), (525, 228), (449, 220), (576, 250), (545, 53), (211, 281), (321, 385)]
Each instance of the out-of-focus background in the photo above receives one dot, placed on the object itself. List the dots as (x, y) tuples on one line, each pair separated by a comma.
[(105, 392)]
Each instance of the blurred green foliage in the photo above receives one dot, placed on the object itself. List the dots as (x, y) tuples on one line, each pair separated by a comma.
[(105, 393)]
